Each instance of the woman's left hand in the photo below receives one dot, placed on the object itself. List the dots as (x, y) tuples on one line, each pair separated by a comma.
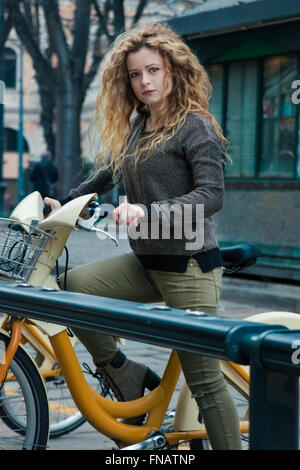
[(128, 214)]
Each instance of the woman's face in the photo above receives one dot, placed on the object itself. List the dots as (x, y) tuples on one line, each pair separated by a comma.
[(147, 74)]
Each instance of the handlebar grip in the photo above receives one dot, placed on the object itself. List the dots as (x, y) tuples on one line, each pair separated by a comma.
[(46, 210), (89, 212)]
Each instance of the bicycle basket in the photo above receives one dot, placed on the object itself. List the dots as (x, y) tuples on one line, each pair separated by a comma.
[(20, 247)]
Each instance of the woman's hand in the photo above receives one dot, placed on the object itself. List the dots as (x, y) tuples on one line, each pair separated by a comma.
[(128, 214), (53, 204)]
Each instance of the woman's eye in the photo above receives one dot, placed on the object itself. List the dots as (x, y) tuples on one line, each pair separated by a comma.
[(133, 74), (154, 69)]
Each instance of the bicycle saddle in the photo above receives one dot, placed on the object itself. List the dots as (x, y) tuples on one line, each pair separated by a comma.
[(240, 256)]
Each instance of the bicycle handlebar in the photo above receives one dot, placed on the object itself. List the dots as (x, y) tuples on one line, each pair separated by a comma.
[(97, 213), (46, 210), (88, 211), (93, 206)]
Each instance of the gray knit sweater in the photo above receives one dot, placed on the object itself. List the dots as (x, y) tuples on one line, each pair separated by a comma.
[(171, 183)]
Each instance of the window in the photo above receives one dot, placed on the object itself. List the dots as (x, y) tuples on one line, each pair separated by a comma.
[(252, 101), (216, 76), (241, 115), (9, 68), (10, 141), (279, 125)]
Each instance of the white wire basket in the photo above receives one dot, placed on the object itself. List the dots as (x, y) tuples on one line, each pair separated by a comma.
[(20, 248)]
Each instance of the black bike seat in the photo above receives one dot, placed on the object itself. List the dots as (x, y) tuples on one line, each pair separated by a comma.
[(242, 255)]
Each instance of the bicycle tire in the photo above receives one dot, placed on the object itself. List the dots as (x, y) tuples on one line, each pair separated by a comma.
[(22, 391)]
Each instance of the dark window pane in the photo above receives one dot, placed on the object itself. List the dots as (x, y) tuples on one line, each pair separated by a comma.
[(241, 118), (216, 76), (10, 141), (9, 68), (279, 118)]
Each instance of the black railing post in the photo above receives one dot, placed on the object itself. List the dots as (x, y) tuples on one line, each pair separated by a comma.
[(274, 410)]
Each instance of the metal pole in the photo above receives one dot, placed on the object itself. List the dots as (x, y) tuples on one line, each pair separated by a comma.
[(2, 184), (274, 410), (20, 133)]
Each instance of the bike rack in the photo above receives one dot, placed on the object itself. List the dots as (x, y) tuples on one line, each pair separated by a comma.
[(268, 349)]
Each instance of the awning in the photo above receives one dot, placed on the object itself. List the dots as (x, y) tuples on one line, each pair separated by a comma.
[(238, 17)]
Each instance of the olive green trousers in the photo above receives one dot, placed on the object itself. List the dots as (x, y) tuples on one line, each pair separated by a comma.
[(124, 277)]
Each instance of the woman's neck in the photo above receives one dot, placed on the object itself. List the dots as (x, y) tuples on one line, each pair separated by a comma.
[(152, 123)]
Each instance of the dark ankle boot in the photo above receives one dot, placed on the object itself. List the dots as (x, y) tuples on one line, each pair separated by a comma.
[(129, 381)]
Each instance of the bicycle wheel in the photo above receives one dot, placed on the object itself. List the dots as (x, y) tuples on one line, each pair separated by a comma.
[(23, 397)]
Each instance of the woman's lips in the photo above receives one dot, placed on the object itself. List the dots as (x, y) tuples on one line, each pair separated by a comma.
[(148, 92)]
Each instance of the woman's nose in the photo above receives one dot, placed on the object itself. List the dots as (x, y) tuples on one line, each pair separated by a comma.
[(145, 79)]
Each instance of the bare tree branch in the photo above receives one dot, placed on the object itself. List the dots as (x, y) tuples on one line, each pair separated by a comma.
[(6, 30), (37, 21), (97, 57), (31, 46), (102, 20), (28, 14), (119, 17), (81, 33), (47, 114), (139, 11), (55, 31)]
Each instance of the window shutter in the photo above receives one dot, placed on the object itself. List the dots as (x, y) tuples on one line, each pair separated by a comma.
[(241, 118), (216, 76)]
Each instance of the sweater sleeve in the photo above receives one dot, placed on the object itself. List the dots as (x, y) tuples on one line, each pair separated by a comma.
[(100, 182), (203, 154)]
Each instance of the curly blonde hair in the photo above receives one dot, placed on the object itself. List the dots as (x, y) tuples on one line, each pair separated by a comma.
[(116, 101)]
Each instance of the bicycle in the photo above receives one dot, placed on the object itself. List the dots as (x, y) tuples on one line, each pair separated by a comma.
[(36, 260)]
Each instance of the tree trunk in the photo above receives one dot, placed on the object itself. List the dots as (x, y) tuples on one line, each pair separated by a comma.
[(68, 134)]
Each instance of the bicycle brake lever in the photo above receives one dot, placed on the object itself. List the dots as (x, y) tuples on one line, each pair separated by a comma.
[(104, 232), (88, 224)]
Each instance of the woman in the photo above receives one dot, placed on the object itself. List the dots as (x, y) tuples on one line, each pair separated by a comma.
[(169, 158)]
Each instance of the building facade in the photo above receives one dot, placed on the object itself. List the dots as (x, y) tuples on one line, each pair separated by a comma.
[(252, 55)]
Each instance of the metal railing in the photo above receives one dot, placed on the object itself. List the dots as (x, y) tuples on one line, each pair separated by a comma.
[(269, 349)]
